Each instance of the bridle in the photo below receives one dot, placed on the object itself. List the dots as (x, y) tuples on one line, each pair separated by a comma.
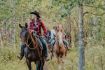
[(35, 45), (28, 45), (34, 41), (57, 39)]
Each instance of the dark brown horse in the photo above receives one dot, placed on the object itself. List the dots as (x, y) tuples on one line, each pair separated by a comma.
[(32, 51)]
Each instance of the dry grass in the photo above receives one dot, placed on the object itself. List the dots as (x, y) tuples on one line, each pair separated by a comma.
[(94, 60)]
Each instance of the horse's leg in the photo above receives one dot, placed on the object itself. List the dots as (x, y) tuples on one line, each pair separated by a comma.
[(52, 52), (39, 65), (42, 64), (63, 56), (65, 52), (58, 60), (29, 64), (62, 60)]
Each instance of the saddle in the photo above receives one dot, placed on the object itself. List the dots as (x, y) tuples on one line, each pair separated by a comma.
[(34, 39)]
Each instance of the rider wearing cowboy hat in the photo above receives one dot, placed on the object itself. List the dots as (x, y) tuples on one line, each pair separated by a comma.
[(35, 25)]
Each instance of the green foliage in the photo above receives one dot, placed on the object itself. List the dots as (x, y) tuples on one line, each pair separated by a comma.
[(7, 54), (93, 59), (13, 12)]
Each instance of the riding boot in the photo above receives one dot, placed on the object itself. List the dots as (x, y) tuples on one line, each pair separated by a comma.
[(44, 48), (66, 44), (22, 52), (52, 43)]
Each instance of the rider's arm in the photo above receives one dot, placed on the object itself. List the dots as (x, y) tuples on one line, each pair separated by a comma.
[(44, 28), (31, 25), (28, 23)]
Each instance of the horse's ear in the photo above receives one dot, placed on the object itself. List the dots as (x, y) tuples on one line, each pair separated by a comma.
[(26, 25), (20, 25)]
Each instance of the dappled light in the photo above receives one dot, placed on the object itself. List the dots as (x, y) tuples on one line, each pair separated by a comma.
[(52, 34)]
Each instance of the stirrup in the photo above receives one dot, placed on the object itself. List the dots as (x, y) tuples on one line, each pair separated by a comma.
[(47, 59)]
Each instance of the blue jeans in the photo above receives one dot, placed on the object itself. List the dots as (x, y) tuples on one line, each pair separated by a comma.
[(52, 42), (66, 43), (43, 42)]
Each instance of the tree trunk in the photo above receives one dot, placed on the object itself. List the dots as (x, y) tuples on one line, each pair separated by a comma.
[(81, 42), (104, 8)]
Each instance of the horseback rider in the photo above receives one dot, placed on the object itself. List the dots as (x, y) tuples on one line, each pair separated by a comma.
[(52, 36), (34, 26), (60, 27)]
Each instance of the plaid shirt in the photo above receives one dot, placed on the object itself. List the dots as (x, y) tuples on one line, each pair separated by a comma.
[(37, 26)]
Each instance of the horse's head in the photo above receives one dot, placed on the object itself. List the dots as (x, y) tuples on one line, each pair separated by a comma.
[(60, 38), (60, 28), (23, 28), (23, 32), (60, 34), (27, 36)]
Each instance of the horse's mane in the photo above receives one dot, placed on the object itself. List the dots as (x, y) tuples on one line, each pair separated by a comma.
[(27, 36)]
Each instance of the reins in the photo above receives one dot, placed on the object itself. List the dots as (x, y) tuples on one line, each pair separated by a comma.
[(34, 45), (33, 41), (29, 44)]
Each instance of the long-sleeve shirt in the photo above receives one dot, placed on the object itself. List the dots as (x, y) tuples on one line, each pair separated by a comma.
[(37, 26)]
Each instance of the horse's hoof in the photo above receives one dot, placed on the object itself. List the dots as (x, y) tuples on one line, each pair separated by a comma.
[(68, 49), (47, 59), (20, 58)]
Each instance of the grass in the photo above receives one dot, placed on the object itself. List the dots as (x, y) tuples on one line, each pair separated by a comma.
[(94, 59)]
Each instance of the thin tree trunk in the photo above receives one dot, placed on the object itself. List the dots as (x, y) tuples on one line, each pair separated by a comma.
[(94, 62), (102, 65), (104, 8), (14, 32), (81, 42), (104, 4), (70, 30), (1, 42)]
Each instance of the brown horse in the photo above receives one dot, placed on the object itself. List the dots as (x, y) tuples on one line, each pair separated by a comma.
[(32, 51), (59, 47)]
